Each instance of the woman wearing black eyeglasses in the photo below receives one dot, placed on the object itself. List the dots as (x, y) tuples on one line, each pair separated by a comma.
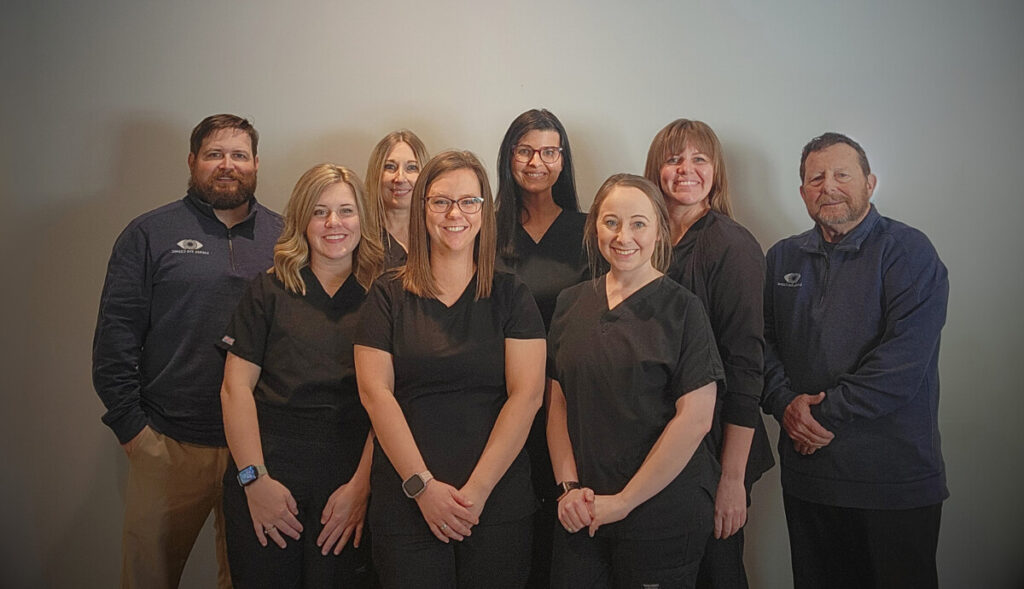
[(450, 364), (540, 238)]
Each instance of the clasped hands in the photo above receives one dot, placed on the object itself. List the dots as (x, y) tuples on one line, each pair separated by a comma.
[(582, 508), (807, 434), (449, 512)]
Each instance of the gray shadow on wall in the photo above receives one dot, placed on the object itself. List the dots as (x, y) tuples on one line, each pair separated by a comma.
[(78, 476)]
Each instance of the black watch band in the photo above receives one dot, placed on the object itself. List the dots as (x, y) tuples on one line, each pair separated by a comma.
[(565, 486)]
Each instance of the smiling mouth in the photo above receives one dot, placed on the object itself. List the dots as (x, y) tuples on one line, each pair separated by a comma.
[(458, 229), (335, 238), (625, 252)]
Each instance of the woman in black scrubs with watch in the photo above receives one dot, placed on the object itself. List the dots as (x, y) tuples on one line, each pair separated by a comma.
[(292, 415), (450, 361), (540, 239), (391, 173), (718, 260), (634, 369)]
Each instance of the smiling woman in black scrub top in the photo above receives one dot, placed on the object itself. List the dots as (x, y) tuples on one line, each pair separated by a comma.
[(540, 239), (292, 415), (634, 369), (450, 361), (391, 173), (718, 260)]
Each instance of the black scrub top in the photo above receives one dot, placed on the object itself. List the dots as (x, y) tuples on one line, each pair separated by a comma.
[(622, 371), (394, 254), (303, 345), (449, 367), (554, 263)]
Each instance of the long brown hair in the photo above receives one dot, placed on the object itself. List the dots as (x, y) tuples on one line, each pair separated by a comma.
[(375, 169), (416, 275)]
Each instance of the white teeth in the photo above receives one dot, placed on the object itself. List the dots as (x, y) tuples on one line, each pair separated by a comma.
[(454, 229), (623, 252)]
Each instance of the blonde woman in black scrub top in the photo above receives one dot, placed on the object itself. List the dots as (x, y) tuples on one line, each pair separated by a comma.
[(391, 173), (450, 361), (299, 438), (635, 370)]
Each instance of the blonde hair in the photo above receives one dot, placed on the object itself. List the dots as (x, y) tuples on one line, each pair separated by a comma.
[(416, 275), (291, 253), (662, 256), (673, 139), (375, 169)]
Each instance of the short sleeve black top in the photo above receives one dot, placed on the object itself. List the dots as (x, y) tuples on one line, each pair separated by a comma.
[(622, 371), (449, 365), (303, 345), (555, 262)]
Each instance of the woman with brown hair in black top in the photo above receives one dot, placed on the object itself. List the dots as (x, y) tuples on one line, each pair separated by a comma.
[(634, 372), (718, 260), (450, 360)]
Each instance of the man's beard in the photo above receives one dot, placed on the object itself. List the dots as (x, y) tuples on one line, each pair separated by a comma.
[(222, 200)]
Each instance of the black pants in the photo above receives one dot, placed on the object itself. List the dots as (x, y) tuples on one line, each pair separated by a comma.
[(722, 564), (840, 547), (302, 466), (605, 561), (494, 556)]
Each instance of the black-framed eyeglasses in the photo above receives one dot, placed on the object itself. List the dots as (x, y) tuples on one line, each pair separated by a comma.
[(549, 154), (443, 204)]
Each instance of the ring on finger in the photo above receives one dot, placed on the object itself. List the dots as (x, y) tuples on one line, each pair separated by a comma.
[(269, 529), (444, 527)]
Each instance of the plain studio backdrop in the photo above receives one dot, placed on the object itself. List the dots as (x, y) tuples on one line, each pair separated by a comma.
[(98, 99)]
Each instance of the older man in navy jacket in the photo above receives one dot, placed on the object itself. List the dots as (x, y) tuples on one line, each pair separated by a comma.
[(853, 312)]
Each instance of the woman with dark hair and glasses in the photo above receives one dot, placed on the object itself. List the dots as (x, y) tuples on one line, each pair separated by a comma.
[(718, 260), (450, 361), (540, 238)]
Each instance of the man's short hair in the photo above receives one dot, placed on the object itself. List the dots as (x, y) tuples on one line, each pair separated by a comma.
[(214, 123), (824, 141)]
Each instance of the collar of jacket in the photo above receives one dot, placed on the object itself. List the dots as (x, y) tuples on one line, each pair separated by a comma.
[(206, 210), (813, 241)]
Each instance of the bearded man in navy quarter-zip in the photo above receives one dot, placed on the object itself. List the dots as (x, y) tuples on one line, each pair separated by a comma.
[(174, 278), (853, 312)]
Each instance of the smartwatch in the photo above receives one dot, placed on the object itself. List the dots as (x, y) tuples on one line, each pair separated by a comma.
[(565, 487), (415, 484), (249, 474)]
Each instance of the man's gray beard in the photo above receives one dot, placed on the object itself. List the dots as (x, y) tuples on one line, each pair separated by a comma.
[(222, 201)]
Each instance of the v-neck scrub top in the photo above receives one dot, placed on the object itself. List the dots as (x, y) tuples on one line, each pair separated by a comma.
[(554, 263), (449, 365), (303, 345), (622, 371)]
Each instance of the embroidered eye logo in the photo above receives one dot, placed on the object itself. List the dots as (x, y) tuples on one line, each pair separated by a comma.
[(189, 244), (792, 277)]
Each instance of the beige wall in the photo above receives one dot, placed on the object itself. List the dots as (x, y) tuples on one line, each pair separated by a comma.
[(99, 98)]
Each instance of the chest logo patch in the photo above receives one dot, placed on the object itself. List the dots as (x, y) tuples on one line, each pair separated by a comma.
[(792, 280), (190, 246)]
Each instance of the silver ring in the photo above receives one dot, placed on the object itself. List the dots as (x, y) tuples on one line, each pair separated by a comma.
[(444, 527), (269, 529)]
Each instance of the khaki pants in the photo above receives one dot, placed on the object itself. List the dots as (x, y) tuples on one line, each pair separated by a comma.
[(172, 487)]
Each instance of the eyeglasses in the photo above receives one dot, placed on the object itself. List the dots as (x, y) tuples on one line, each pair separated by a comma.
[(443, 204), (548, 154)]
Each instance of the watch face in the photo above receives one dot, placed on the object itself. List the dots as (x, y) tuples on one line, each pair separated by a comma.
[(413, 486), (247, 475)]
